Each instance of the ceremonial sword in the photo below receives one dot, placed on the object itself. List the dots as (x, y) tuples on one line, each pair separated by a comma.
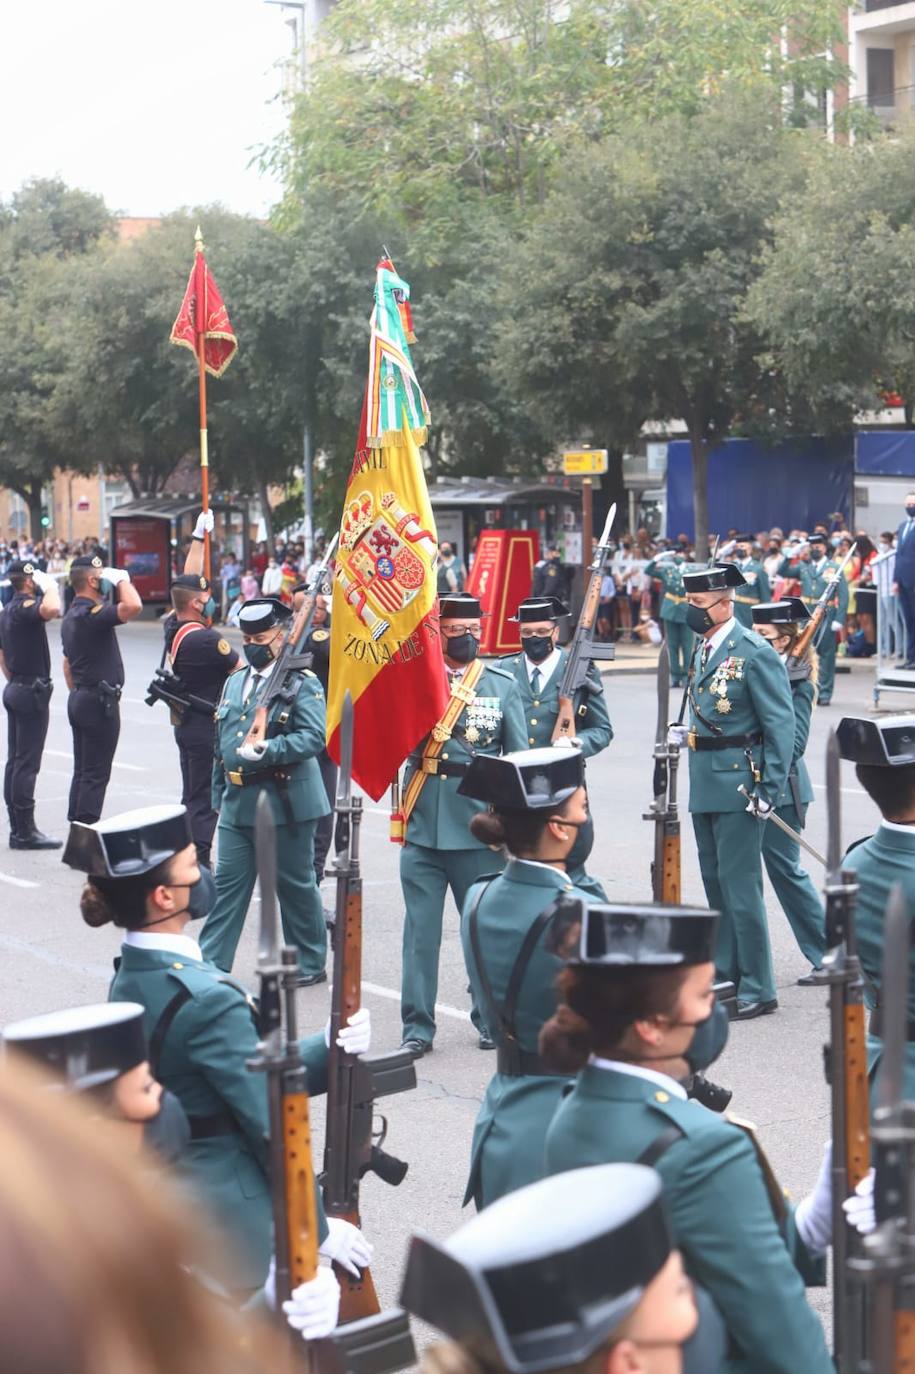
[(774, 819)]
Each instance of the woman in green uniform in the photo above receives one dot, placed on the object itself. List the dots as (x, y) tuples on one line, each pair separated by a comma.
[(143, 876), (780, 623), (537, 805), (638, 1015)]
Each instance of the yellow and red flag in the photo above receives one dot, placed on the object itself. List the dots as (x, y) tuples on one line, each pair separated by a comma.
[(385, 648), (203, 312)]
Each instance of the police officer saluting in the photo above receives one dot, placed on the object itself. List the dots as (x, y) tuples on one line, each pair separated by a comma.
[(26, 664), (95, 675)]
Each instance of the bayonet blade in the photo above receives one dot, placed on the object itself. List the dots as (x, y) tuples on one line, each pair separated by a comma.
[(345, 774), (608, 525), (663, 694), (265, 857), (893, 999), (833, 809)]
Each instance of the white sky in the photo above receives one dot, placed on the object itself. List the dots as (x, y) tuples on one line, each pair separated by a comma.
[(152, 105)]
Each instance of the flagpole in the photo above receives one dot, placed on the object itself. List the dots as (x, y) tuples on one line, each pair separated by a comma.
[(200, 326)]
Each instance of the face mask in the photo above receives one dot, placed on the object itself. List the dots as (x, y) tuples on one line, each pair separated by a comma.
[(883, 546), (698, 618), (259, 655), (168, 1133), (104, 586), (203, 895), (537, 647), (709, 1040), (209, 607), (910, 511), (462, 648), (580, 852)]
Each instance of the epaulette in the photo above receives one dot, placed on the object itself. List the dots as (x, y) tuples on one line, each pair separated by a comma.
[(202, 980), (95, 609), (500, 672), (514, 657), (854, 844)]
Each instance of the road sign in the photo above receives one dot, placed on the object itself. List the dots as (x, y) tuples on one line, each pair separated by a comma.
[(586, 462)]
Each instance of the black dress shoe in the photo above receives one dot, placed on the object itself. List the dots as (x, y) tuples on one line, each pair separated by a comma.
[(813, 979), (486, 1042), (308, 980), (417, 1048), (748, 1011)]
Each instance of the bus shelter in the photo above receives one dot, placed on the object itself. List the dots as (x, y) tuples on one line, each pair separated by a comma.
[(150, 539)]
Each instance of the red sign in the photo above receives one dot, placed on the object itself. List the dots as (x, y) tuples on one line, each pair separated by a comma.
[(501, 577), (141, 545), (83, 503)]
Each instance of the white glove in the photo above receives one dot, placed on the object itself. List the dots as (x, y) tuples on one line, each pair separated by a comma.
[(356, 1036), (253, 753), (837, 625), (859, 1208), (759, 805), (346, 1246), (314, 1307), (43, 581), (567, 742), (115, 575), (676, 735), (205, 523), (813, 1217)]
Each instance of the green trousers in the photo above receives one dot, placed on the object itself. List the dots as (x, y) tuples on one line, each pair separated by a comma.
[(425, 877), (299, 898), (680, 640), (826, 649), (730, 858), (799, 898)]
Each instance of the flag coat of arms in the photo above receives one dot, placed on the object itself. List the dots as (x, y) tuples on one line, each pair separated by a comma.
[(385, 648)]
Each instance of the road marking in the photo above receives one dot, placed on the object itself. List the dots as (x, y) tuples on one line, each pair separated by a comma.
[(16, 882), (442, 1010), (850, 791), (128, 767)]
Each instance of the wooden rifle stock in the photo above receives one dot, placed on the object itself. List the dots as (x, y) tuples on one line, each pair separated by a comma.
[(857, 1095), (817, 615), (301, 1211)]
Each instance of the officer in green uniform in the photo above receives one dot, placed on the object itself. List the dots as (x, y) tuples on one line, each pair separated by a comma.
[(285, 764), (201, 1029), (538, 671), (778, 622), (883, 752), (814, 572), (439, 851), (756, 583), (741, 732), (537, 806), (638, 1015), (668, 569)]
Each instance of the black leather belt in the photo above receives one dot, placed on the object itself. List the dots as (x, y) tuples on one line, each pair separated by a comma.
[(220, 1123), (440, 768), (517, 1063), (240, 779), (30, 680), (875, 1026), (702, 743)]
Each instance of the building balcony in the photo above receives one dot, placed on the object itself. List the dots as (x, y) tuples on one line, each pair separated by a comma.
[(883, 17)]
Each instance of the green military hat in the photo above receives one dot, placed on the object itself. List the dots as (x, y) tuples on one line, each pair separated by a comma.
[(615, 934), (528, 780), (128, 845), (716, 577), (887, 743), (544, 1276), (787, 612), (262, 613), (535, 608), (86, 1047)]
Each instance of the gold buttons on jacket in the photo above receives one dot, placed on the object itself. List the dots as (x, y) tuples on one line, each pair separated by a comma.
[(530, 739), (533, 720)]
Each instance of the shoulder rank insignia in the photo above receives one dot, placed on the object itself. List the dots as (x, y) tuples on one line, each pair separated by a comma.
[(224, 646), (95, 609)]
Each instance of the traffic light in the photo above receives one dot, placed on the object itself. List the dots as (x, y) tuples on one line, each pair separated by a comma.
[(45, 518)]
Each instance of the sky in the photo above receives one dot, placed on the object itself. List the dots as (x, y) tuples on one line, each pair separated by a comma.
[(105, 95)]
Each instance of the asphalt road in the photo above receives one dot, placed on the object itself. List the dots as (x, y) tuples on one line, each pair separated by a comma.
[(774, 1065)]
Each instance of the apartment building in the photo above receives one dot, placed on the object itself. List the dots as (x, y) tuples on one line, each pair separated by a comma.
[(881, 55)]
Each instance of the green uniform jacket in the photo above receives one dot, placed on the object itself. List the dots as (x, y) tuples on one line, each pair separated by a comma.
[(719, 1208), (296, 748), (669, 573), (593, 728), (747, 673), (495, 724), (813, 579), (510, 1130), (803, 695), (202, 1061), (886, 858), (756, 590)]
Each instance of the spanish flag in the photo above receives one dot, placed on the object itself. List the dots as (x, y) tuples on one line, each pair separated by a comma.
[(385, 649)]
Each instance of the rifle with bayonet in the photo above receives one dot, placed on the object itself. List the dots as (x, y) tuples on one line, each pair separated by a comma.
[(354, 1081), (887, 1264), (582, 650), (846, 1070), (663, 811), (818, 614), (292, 658)]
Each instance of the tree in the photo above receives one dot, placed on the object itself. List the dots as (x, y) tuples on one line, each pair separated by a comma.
[(625, 300)]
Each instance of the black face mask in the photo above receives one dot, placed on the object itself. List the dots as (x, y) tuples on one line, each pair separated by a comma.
[(537, 647), (910, 511), (168, 1133), (698, 619), (462, 648), (203, 895), (259, 655), (709, 1041)]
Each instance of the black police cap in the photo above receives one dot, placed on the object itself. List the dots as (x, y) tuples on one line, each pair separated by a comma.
[(791, 611), (535, 608), (20, 568), (714, 578), (88, 560), (128, 845), (527, 780), (886, 743), (544, 1276), (619, 935), (262, 613), (193, 582), (86, 1047), (461, 606)]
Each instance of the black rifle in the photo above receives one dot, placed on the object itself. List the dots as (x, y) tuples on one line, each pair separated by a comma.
[(581, 650), (354, 1081)]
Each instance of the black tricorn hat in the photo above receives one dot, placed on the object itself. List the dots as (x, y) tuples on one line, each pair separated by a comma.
[(262, 613), (619, 935), (461, 606), (193, 582), (86, 1047), (544, 1276), (128, 845), (790, 611), (539, 608), (527, 780), (717, 577), (886, 743)]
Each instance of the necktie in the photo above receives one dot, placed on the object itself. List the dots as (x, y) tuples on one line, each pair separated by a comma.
[(535, 682)]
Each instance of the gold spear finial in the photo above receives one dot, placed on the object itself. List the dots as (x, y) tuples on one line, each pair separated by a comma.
[(198, 240)]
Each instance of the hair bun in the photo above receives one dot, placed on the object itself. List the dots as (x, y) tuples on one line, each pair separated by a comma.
[(94, 906)]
